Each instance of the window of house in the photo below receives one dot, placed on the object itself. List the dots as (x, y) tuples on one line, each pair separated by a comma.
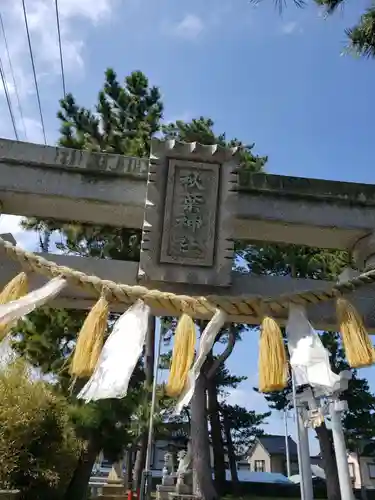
[(371, 470), (259, 466)]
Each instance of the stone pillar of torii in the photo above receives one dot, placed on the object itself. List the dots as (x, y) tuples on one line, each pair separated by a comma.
[(192, 202)]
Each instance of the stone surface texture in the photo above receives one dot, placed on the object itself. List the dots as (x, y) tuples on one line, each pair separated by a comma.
[(109, 189), (189, 214)]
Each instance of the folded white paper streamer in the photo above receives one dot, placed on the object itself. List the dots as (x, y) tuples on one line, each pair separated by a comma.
[(205, 345), (308, 357), (119, 356), (12, 311)]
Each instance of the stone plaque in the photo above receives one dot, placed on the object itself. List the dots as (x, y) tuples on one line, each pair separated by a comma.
[(189, 214), (189, 227)]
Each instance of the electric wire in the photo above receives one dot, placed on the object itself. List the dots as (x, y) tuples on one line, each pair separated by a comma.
[(34, 72), (13, 76), (60, 47), (5, 85)]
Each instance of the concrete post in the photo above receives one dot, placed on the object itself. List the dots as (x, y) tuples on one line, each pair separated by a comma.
[(303, 450), (305, 456), (336, 407)]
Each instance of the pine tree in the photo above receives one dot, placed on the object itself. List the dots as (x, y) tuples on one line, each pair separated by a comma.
[(238, 426), (202, 131), (125, 119), (361, 36), (302, 262)]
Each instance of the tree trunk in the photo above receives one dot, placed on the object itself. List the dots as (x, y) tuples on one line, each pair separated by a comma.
[(200, 442), (129, 466), (329, 462), (216, 435), (140, 460), (78, 485), (149, 365), (230, 450)]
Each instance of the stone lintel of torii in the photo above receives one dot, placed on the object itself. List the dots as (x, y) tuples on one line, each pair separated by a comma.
[(61, 183), (192, 202)]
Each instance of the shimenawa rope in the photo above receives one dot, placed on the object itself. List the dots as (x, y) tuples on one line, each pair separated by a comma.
[(173, 304)]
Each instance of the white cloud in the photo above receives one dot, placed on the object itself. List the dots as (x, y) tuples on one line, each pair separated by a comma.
[(75, 17), (25, 239), (190, 27), (290, 28), (94, 11), (33, 129), (41, 17), (248, 398), (239, 397), (31, 126)]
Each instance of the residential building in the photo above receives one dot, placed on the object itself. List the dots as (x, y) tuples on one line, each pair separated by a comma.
[(362, 470), (268, 454)]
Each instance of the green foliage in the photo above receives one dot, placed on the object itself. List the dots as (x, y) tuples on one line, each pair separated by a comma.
[(224, 381), (302, 262), (38, 445), (46, 339), (201, 130), (293, 260), (361, 36), (245, 426), (125, 118)]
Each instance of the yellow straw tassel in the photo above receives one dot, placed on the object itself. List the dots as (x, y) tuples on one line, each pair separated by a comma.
[(357, 344), (15, 289), (182, 356), (90, 340), (273, 364)]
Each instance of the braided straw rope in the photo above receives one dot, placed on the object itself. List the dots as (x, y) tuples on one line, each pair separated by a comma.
[(175, 305)]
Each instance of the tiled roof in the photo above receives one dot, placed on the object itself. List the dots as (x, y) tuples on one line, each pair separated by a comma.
[(275, 445)]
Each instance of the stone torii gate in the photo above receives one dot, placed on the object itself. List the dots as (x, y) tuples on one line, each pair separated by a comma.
[(113, 190), (192, 202)]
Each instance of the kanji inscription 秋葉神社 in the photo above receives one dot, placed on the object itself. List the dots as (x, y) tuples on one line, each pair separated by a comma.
[(190, 195), (190, 212)]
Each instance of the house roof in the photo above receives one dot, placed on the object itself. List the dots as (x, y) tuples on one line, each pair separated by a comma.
[(275, 445)]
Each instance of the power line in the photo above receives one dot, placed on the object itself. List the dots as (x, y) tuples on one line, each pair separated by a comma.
[(5, 85), (60, 47), (13, 77), (34, 72)]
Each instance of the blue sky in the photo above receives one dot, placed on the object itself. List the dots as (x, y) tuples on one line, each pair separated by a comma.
[(278, 81)]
